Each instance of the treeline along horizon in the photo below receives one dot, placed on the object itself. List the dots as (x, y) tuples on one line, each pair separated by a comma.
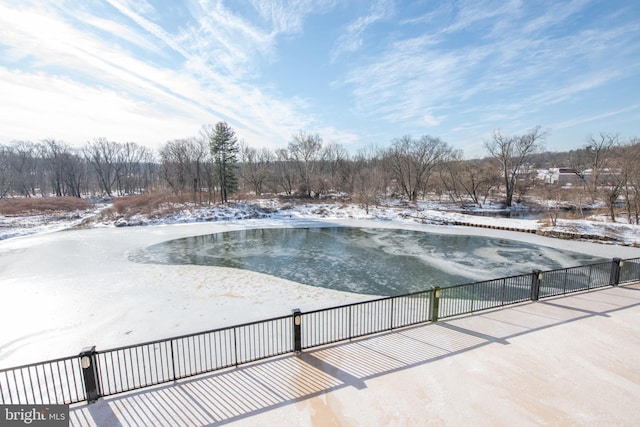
[(604, 170)]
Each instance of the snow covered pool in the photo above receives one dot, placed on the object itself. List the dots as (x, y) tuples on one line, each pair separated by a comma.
[(372, 261)]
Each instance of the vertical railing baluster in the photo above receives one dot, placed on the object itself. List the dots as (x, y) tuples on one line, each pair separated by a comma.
[(15, 387), (391, 315), (235, 345), (136, 358), (24, 386), (350, 322), (159, 367), (173, 361)]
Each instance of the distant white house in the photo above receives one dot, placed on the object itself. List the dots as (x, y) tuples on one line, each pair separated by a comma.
[(562, 176)]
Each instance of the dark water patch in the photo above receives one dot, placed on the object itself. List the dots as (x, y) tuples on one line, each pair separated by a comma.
[(363, 260)]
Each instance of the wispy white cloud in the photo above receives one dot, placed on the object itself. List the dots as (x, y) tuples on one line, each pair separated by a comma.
[(124, 86), (117, 30), (132, 10), (287, 17), (55, 42), (140, 7), (580, 84), (67, 110), (591, 118), (411, 78), (226, 42), (442, 11), (237, 45), (505, 78), (555, 14), (352, 39), (486, 12), (455, 67)]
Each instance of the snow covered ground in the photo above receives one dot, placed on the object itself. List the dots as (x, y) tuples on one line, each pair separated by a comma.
[(64, 290)]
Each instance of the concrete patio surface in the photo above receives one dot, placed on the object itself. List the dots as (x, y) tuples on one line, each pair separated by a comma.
[(563, 361)]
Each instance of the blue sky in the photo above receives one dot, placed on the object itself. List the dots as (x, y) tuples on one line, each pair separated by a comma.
[(358, 73)]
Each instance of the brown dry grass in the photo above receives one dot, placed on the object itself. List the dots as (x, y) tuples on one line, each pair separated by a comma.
[(148, 204), (38, 205)]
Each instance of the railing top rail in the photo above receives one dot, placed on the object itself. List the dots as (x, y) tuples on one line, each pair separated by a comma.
[(378, 299), (487, 281), (576, 267), (45, 362), (179, 337)]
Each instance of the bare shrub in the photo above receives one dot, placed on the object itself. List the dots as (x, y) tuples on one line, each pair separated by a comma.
[(37, 205), (149, 204), (547, 222)]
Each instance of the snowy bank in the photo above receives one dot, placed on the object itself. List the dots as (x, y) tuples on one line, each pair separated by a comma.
[(596, 228)]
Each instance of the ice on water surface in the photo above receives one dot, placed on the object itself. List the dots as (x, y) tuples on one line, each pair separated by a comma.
[(363, 260)]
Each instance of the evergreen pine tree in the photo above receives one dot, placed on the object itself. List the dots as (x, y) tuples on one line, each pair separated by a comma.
[(224, 149)]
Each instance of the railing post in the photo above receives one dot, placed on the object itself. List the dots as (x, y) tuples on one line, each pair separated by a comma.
[(616, 263), (297, 330), (536, 278), (435, 304), (90, 373)]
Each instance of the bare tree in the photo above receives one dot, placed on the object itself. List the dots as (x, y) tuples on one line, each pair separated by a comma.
[(554, 196), (55, 168), (23, 160), (595, 160), (73, 173), (64, 168), (305, 150), (255, 166), (614, 186), (620, 180), (202, 167), (369, 178), (132, 159), (173, 169), (338, 168), (466, 180), (148, 171), (186, 166), (54, 152), (512, 153), (285, 171), (104, 156), (5, 171), (413, 161), (630, 159)]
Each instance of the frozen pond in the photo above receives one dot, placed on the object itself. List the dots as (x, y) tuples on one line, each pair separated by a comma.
[(371, 261), (63, 291)]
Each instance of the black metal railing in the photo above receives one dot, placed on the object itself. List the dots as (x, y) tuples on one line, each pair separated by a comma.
[(93, 374), (143, 365), (575, 279), (472, 297), (350, 321), (52, 382), (629, 271)]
